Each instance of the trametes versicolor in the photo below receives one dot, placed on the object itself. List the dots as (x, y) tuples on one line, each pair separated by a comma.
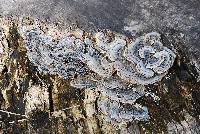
[(111, 58), (143, 61)]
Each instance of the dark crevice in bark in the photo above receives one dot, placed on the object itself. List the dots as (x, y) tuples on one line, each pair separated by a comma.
[(5, 70), (51, 107), (97, 111)]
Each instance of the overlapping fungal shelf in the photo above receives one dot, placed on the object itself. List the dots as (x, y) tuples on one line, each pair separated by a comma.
[(143, 61), (117, 102), (60, 56), (102, 61)]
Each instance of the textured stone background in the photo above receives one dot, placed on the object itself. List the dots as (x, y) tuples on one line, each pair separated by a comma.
[(178, 110)]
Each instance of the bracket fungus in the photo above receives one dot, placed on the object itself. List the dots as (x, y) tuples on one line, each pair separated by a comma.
[(144, 61), (106, 63), (60, 56)]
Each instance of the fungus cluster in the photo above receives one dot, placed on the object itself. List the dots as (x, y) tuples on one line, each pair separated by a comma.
[(105, 62)]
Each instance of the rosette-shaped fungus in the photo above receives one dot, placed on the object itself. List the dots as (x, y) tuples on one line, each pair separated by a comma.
[(144, 61), (149, 59)]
